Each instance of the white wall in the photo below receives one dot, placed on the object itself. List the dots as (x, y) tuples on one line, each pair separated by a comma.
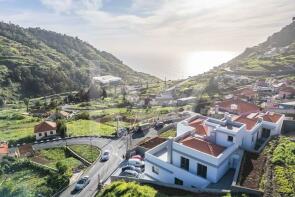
[(172, 172), (43, 134)]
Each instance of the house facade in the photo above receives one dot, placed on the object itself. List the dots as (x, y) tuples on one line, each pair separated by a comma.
[(45, 129), (206, 148)]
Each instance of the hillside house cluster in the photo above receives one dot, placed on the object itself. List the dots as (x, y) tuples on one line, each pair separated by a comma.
[(205, 148)]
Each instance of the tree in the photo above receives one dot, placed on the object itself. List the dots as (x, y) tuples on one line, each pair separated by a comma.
[(61, 167), (27, 102), (1, 102), (61, 128), (104, 93)]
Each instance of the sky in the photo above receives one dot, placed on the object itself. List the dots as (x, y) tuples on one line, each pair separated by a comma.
[(170, 39)]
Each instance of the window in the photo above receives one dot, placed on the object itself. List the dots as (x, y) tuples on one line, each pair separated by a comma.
[(51, 132), (40, 134), (184, 163), (230, 138), (202, 170), (265, 133), (178, 181), (155, 170)]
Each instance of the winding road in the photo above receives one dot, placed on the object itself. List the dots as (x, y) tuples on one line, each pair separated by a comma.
[(98, 168)]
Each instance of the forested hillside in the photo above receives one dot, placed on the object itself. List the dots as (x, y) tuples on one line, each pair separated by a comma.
[(36, 62), (276, 54)]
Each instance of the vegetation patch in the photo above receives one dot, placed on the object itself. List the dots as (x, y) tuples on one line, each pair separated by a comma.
[(51, 157), (89, 127), (169, 133), (24, 178), (88, 152)]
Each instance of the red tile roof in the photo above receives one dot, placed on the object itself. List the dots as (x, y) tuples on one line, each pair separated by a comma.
[(242, 106), (250, 123), (288, 89), (4, 149), (245, 92), (200, 128), (45, 126), (203, 146), (269, 116)]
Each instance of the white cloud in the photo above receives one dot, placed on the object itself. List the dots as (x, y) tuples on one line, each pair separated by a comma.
[(156, 34), (68, 6)]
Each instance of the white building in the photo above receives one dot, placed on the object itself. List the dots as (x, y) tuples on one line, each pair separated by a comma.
[(45, 129), (206, 148)]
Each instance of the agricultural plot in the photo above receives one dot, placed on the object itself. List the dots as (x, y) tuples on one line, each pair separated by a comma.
[(89, 127), (90, 153)]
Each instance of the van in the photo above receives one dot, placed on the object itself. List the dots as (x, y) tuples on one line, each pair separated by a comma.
[(135, 162)]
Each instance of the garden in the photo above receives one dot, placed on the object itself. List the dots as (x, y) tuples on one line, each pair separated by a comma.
[(88, 152)]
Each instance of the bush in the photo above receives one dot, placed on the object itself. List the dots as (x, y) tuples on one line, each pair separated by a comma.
[(83, 116)]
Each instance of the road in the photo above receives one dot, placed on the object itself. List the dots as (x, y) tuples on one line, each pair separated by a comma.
[(104, 169)]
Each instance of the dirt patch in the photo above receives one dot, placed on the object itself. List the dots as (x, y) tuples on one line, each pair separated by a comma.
[(40, 160), (252, 170)]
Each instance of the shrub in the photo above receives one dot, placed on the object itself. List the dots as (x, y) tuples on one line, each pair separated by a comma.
[(83, 116)]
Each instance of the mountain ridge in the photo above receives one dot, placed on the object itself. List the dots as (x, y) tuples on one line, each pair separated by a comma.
[(36, 62)]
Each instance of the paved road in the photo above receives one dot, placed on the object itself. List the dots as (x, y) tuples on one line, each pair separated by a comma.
[(104, 169)]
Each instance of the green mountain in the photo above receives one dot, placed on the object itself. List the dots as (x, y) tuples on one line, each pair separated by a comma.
[(36, 62), (275, 55)]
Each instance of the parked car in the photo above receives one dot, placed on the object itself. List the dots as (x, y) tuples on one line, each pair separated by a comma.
[(137, 157), (105, 155), (133, 168), (82, 182), (159, 125), (135, 162), (130, 173), (121, 132)]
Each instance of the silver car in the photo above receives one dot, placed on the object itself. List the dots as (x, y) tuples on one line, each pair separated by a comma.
[(82, 182)]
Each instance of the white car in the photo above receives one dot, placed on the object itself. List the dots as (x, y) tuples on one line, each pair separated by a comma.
[(82, 183), (135, 162), (130, 173), (105, 155)]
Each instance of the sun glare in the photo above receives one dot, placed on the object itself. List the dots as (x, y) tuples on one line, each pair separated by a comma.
[(202, 61)]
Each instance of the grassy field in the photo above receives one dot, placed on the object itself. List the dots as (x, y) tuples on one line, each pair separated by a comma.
[(15, 125), (90, 153), (51, 156), (89, 127), (27, 182), (169, 133), (283, 159)]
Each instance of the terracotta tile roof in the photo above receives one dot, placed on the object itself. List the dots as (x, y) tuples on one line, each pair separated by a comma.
[(203, 146), (4, 149), (288, 89), (250, 123), (200, 128), (45, 126), (152, 142), (245, 92), (242, 106), (270, 117)]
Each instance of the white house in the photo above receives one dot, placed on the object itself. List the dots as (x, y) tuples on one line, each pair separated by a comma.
[(206, 148), (45, 129)]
